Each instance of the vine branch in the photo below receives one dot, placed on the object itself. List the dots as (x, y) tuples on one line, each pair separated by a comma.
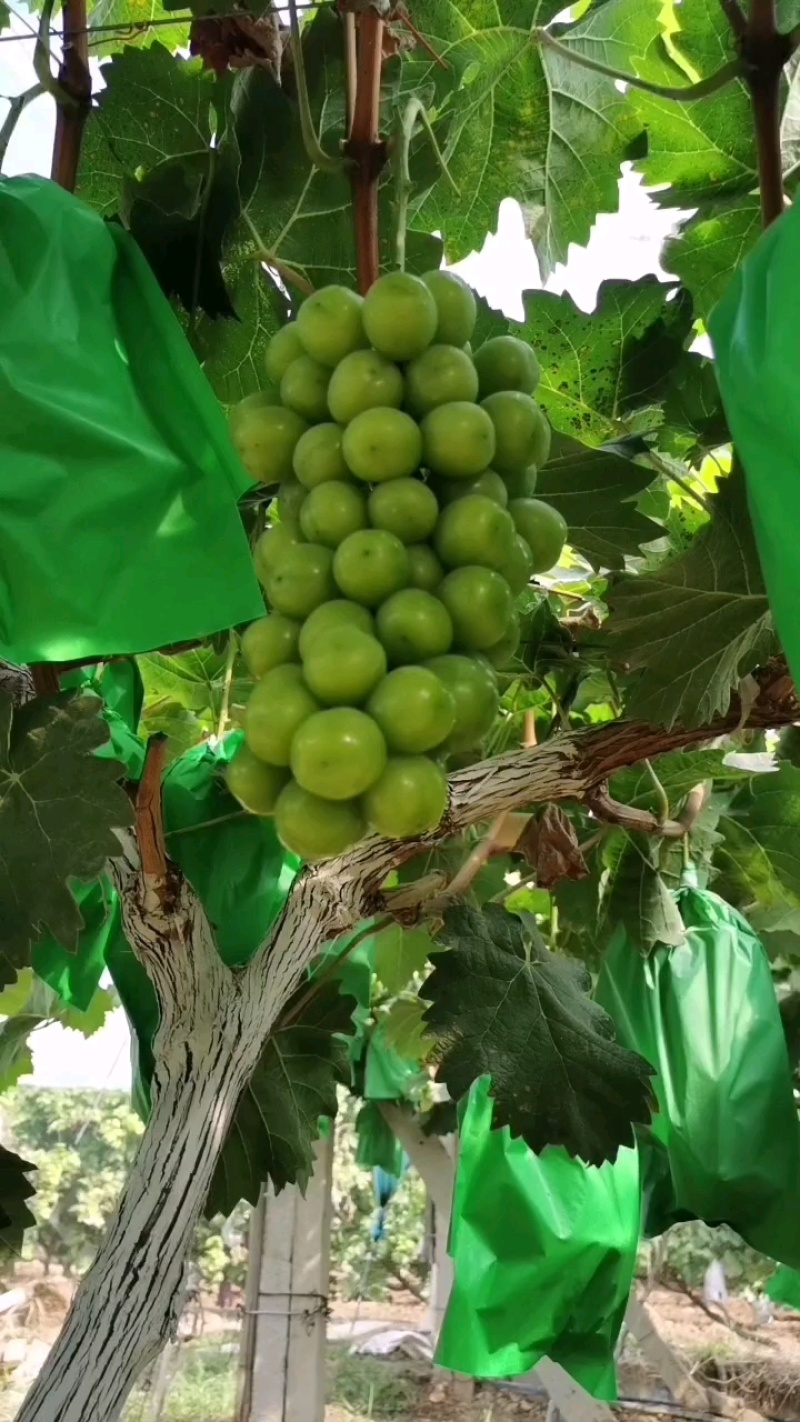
[(326, 162), (149, 823), (683, 92), (627, 817), (364, 146), (414, 110), (74, 96), (16, 107), (764, 52), (568, 766)]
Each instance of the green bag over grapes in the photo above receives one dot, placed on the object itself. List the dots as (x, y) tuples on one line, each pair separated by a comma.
[(724, 1146), (118, 483), (756, 340), (544, 1250)]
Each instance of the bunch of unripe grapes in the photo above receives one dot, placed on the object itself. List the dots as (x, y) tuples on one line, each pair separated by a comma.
[(406, 529)]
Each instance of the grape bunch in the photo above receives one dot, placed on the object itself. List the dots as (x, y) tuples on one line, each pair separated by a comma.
[(406, 529)]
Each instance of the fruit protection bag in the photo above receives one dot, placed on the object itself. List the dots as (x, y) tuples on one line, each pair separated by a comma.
[(724, 1145), (544, 1251), (119, 530), (756, 339)]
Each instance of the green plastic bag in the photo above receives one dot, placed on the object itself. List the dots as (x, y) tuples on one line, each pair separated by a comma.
[(377, 1144), (544, 1251), (784, 1287), (725, 1141), (387, 1075), (756, 339), (238, 866), (118, 482)]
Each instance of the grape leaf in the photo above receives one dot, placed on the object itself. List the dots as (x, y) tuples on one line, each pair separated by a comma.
[(140, 13), (29, 1003), (399, 954), (712, 246), (693, 410), (636, 896), (679, 773), (277, 1120), (761, 838), (509, 1008), (702, 150), (59, 806), (697, 624), (15, 1189), (154, 106), (403, 1029), (604, 374), (516, 120), (594, 490)]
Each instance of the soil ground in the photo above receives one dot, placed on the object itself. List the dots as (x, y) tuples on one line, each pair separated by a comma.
[(758, 1361)]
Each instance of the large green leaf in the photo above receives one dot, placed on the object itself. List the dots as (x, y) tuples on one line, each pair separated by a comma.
[(399, 954), (696, 625), (712, 246), (603, 374), (293, 1086), (635, 895), (702, 149), (508, 1007), (59, 806), (518, 121), (760, 853), (154, 106), (678, 773), (15, 1189), (595, 490), (694, 420)]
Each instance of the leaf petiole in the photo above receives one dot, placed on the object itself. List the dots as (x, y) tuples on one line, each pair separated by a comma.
[(682, 92)]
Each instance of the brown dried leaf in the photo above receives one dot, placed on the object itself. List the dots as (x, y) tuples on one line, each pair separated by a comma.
[(550, 845), (238, 42)]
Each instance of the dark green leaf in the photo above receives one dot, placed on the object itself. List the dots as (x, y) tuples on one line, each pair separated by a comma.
[(277, 1120), (636, 896), (180, 213), (697, 624), (523, 1015), (153, 106), (693, 407), (594, 490), (15, 1189), (59, 806), (517, 121)]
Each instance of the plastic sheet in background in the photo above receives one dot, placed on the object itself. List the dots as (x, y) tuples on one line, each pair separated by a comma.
[(544, 1251), (377, 1144), (387, 1075), (784, 1287), (724, 1146), (756, 339), (118, 483)]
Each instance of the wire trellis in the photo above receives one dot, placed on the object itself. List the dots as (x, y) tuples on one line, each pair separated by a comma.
[(135, 26)]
